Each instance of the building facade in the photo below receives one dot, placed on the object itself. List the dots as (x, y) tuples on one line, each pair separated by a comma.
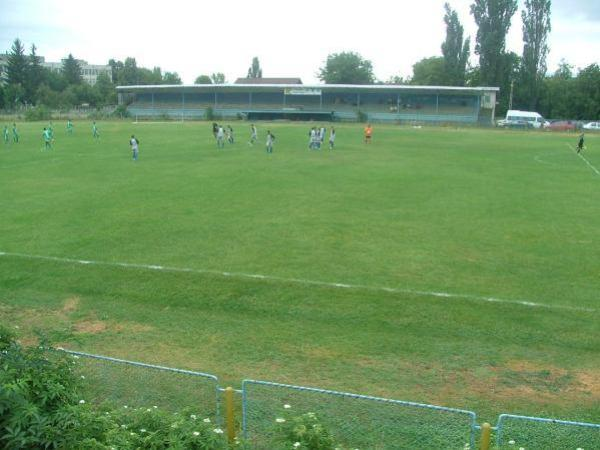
[(441, 104)]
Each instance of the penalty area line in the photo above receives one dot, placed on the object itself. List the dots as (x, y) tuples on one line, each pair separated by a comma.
[(155, 267), (584, 158)]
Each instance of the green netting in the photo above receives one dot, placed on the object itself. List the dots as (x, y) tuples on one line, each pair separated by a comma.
[(534, 433), (131, 384), (354, 421)]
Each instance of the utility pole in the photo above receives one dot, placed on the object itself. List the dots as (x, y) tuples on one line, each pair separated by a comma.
[(512, 85)]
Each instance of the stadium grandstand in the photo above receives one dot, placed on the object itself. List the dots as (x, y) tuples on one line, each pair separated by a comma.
[(296, 101)]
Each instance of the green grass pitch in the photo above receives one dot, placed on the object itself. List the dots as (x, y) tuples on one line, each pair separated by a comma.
[(420, 231)]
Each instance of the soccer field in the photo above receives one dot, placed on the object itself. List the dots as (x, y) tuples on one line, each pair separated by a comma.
[(458, 267)]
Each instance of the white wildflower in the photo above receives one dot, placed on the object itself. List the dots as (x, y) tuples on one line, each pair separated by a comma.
[(511, 442), (207, 420), (83, 377), (286, 406), (280, 420), (218, 431), (148, 410), (521, 448), (193, 416), (196, 433), (81, 402), (132, 434), (155, 407), (124, 426), (125, 406), (143, 430), (297, 444)]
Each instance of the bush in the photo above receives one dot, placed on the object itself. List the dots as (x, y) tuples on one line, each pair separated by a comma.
[(209, 113), (41, 406), (121, 112), (39, 112)]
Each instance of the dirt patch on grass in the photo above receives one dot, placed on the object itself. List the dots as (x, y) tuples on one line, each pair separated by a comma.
[(90, 327), (518, 382), (71, 304), (131, 327)]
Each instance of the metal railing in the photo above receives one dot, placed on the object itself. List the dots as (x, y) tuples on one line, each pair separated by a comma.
[(353, 420)]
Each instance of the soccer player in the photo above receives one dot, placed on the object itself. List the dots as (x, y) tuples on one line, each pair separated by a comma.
[(5, 134), (580, 143), (368, 133), (253, 135), (51, 130), (134, 147), (322, 133), (220, 137), (47, 139), (69, 126), (270, 140), (331, 138), (95, 132), (229, 134), (15, 133), (215, 128)]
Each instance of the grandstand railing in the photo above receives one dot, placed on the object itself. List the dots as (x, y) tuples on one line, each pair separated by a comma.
[(356, 421)]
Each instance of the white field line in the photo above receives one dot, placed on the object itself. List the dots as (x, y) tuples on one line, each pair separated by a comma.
[(446, 295), (586, 161)]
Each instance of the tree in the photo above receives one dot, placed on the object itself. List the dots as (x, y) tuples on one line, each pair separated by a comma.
[(429, 72), (398, 80), (171, 78), (16, 75), (116, 68), (219, 78), (587, 95), (129, 73), (105, 90), (493, 19), (35, 75), (255, 71), (454, 49), (203, 79), (558, 93), (346, 68), (536, 26), (71, 70)]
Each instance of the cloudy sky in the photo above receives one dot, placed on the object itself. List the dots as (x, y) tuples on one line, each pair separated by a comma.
[(290, 38)]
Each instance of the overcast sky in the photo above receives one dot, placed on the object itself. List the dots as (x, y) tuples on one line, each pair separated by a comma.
[(291, 39)]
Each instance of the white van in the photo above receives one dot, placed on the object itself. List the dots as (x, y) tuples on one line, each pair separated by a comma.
[(529, 119)]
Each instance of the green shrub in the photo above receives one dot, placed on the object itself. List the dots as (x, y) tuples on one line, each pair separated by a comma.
[(41, 406), (209, 113), (120, 112), (39, 112)]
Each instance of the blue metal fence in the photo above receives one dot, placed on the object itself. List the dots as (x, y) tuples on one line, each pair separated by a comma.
[(514, 431), (354, 421)]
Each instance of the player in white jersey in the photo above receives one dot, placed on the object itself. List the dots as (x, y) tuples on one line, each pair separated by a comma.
[(220, 137), (331, 138), (134, 147), (270, 140), (253, 135)]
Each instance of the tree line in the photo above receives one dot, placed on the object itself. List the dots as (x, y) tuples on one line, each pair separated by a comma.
[(523, 79), (27, 82)]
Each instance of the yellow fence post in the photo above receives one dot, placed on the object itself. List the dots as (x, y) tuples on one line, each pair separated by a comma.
[(486, 436), (230, 414)]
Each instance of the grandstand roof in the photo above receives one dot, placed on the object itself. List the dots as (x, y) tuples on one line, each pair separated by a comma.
[(268, 81), (323, 87)]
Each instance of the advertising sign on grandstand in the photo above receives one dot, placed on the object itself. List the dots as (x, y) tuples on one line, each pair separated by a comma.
[(302, 91)]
